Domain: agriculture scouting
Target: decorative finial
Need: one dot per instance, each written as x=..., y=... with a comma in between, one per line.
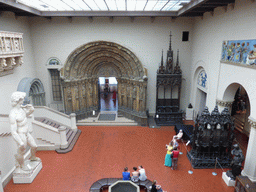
x=170, y=45
x=177, y=63
x=162, y=64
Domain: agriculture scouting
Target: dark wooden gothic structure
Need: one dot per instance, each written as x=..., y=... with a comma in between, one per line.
x=168, y=88
x=212, y=139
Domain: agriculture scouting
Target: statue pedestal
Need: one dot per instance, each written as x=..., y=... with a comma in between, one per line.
x=21, y=176
x=189, y=114
x=230, y=182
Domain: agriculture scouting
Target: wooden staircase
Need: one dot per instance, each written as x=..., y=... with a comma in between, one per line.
x=239, y=123
x=72, y=136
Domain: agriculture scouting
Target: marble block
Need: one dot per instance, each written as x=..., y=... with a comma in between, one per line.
x=21, y=176
x=189, y=114
x=230, y=182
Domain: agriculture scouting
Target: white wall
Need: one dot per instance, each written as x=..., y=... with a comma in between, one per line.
x=58, y=38
x=209, y=33
x=9, y=83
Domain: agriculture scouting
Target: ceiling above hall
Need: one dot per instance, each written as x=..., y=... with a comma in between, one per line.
x=112, y=8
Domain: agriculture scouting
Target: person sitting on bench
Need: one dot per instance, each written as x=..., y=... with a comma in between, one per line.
x=179, y=135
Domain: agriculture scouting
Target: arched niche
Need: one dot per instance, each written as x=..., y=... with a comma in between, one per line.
x=34, y=90
x=101, y=58
x=235, y=97
x=200, y=88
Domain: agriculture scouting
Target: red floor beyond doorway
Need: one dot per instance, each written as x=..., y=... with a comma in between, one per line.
x=103, y=152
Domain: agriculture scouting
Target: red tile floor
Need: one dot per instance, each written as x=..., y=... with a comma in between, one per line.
x=103, y=152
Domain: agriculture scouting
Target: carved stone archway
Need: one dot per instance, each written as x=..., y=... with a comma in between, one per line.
x=34, y=90
x=96, y=59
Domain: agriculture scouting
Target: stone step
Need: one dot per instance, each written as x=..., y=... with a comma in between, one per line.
x=118, y=120
x=71, y=142
x=71, y=136
x=107, y=123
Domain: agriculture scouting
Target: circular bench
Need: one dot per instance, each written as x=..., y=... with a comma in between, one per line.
x=98, y=185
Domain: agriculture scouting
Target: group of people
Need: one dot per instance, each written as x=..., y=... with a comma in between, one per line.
x=171, y=157
x=171, y=160
x=135, y=176
x=140, y=175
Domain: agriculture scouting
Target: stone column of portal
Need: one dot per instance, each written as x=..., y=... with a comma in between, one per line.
x=250, y=160
x=223, y=104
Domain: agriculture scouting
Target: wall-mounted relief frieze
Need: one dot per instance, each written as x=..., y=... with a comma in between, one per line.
x=11, y=51
x=224, y=103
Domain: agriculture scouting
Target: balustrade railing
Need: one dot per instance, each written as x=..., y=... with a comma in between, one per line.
x=11, y=51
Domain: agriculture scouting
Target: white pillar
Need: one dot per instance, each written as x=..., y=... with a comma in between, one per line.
x=63, y=137
x=73, y=121
x=250, y=160
x=1, y=184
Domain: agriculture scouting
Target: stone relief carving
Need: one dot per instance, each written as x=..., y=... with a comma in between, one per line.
x=88, y=62
x=11, y=51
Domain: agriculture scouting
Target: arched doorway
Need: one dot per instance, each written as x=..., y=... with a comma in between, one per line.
x=104, y=59
x=200, y=89
x=34, y=90
x=108, y=94
x=240, y=108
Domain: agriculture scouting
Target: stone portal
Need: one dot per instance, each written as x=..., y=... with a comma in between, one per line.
x=104, y=59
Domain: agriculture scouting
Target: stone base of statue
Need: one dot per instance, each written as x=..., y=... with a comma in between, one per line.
x=21, y=176
x=230, y=182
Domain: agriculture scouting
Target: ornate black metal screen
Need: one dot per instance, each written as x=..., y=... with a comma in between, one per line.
x=212, y=140
x=168, y=88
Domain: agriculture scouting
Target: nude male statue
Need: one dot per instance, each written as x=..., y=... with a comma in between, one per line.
x=20, y=129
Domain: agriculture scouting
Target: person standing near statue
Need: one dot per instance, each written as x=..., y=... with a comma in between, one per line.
x=20, y=129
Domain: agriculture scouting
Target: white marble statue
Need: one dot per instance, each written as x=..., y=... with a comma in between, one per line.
x=20, y=129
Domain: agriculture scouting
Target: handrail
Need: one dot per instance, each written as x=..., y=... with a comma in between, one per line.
x=45, y=126
x=52, y=110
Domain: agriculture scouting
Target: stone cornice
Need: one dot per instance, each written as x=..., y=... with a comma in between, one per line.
x=252, y=122
x=224, y=103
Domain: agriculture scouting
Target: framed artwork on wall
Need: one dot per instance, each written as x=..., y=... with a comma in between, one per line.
x=239, y=51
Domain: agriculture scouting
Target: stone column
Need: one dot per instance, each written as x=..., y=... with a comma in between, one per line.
x=250, y=160
x=73, y=121
x=63, y=137
x=1, y=185
x=222, y=104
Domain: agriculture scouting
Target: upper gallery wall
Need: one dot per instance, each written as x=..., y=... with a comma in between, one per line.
x=9, y=83
x=235, y=23
x=59, y=37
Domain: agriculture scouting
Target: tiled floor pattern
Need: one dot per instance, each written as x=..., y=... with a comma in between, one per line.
x=103, y=152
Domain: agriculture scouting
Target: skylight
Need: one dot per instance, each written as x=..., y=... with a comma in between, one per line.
x=105, y=5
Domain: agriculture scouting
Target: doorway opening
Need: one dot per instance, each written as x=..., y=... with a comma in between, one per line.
x=201, y=100
x=108, y=94
x=241, y=111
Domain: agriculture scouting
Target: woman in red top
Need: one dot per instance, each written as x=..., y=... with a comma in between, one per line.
x=175, y=155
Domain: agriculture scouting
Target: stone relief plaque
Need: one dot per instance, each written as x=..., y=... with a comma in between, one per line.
x=11, y=51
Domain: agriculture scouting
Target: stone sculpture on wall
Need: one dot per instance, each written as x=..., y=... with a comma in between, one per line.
x=11, y=51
